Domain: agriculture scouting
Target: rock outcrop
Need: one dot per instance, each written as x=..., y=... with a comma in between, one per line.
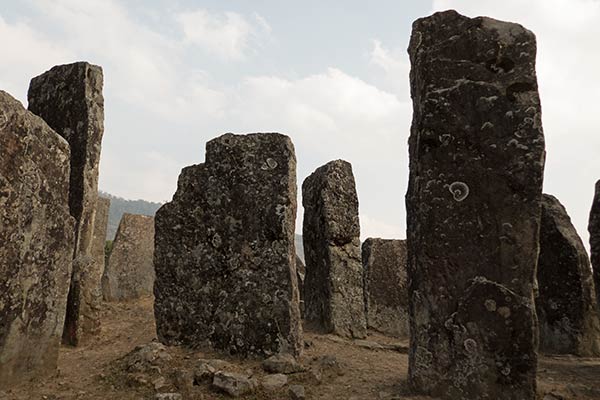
x=69, y=98
x=36, y=243
x=224, y=250
x=129, y=273
x=333, y=285
x=473, y=208
x=566, y=301
x=594, y=231
x=386, y=287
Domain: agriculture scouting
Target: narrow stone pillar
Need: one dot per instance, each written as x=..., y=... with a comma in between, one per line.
x=386, y=287
x=566, y=301
x=473, y=208
x=36, y=243
x=594, y=231
x=333, y=286
x=69, y=98
x=224, y=250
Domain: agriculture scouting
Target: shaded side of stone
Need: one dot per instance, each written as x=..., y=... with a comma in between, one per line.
x=224, y=250
x=594, y=231
x=69, y=98
x=130, y=270
x=301, y=274
x=566, y=303
x=473, y=204
x=36, y=243
x=333, y=286
x=386, y=286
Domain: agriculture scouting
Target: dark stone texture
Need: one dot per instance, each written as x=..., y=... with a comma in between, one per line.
x=129, y=273
x=100, y=227
x=69, y=98
x=386, y=286
x=594, y=231
x=333, y=286
x=473, y=208
x=224, y=250
x=566, y=301
x=36, y=237
x=301, y=273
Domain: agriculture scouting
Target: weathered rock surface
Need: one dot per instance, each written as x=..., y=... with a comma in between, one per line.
x=301, y=274
x=36, y=243
x=69, y=98
x=566, y=301
x=274, y=382
x=233, y=384
x=224, y=250
x=594, y=231
x=282, y=364
x=129, y=273
x=385, y=285
x=473, y=208
x=100, y=226
x=333, y=285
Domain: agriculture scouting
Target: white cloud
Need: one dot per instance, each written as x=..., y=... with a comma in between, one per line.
x=373, y=228
x=228, y=35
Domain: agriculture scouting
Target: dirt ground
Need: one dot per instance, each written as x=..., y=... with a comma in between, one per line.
x=371, y=370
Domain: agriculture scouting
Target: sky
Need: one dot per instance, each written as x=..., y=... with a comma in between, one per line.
x=333, y=75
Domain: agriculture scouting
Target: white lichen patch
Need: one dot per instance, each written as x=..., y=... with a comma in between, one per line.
x=459, y=190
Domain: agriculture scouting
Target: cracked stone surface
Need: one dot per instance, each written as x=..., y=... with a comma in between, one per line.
x=224, y=250
x=385, y=286
x=473, y=208
x=69, y=98
x=333, y=285
x=36, y=233
x=566, y=300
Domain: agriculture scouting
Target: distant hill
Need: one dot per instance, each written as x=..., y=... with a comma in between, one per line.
x=119, y=205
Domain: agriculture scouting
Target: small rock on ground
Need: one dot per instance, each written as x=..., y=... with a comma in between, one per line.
x=233, y=384
x=274, y=381
x=297, y=392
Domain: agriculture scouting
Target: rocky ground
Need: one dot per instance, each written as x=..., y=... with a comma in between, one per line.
x=126, y=363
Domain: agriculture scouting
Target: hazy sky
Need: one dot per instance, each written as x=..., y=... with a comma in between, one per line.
x=333, y=75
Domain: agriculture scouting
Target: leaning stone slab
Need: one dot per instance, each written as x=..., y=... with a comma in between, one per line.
x=36, y=243
x=224, y=250
x=69, y=98
x=566, y=301
x=130, y=270
x=333, y=285
x=594, y=231
x=473, y=208
x=386, y=287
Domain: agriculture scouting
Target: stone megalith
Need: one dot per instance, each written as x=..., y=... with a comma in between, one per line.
x=333, y=285
x=100, y=229
x=129, y=273
x=69, y=98
x=36, y=243
x=473, y=208
x=386, y=287
x=594, y=231
x=566, y=300
x=224, y=250
x=301, y=273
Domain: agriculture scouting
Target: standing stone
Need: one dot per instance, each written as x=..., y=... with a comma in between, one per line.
x=386, y=288
x=333, y=286
x=36, y=243
x=594, y=230
x=301, y=274
x=100, y=229
x=473, y=208
x=224, y=250
x=130, y=270
x=566, y=302
x=69, y=98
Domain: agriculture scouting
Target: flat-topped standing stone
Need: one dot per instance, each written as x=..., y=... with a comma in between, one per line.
x=594, y=230
x=386, y=288
x=333, y=286
x=566, y=301
x=130, y=270
x=473, y=208
x=69, y=98
x=224, y=250
x=36, y=243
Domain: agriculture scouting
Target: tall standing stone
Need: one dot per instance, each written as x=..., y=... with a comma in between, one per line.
x=594, y=231
x=473, y=208
x=386, y=287
x=224, y=250
x=69, y=98
x=36, y=243
x=566, y=301
x=130, y=270
x=100, y=229
x=333, y=285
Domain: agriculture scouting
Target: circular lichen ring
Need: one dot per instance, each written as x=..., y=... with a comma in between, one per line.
x=459, y=190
